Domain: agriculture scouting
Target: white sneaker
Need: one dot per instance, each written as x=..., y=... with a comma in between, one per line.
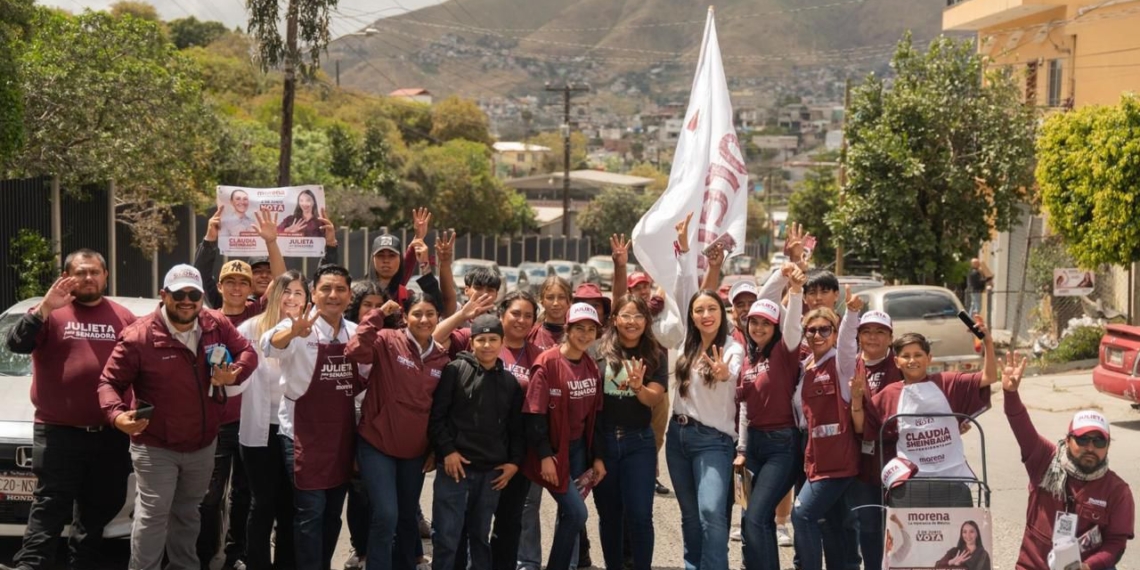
x=782, y=536
x=736, y=535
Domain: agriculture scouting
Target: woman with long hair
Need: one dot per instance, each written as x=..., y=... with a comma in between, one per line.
x=554, y=296
x=272, y=493
x=700, y=444
x=970, y=553
x=831, y=455
x=635, y=376
x=769, y=444
x=306, y=218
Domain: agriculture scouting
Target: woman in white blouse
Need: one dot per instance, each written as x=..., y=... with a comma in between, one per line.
x=700, y=443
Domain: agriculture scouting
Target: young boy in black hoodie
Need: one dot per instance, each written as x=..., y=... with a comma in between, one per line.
x=476, y=429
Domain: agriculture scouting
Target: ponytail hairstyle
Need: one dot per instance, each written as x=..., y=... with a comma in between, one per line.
x=272, y=314
x=691, y=353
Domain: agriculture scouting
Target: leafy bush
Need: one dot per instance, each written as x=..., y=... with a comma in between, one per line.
x=1082, y=344
x=34, y=261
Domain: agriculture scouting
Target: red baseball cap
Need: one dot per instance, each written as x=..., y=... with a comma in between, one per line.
x=897, y=471
x=1088, y=421
x=637, y=278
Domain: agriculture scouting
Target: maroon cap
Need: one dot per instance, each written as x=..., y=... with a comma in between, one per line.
x=590, y=292
x=637, y=278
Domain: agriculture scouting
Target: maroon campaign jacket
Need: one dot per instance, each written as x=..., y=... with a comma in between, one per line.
x=162, y=371
x=832, y=451
x=1105, y=504
x=879, y=376
x=768, y=386
x=397, y=405
x=550, y=390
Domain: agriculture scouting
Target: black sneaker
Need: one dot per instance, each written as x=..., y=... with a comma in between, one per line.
x=662, y=489
x=355, y=561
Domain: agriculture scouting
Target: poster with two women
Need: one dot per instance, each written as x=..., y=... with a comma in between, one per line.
x=296, y=211
x=938, y=538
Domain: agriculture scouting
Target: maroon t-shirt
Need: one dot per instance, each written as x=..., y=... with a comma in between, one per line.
x=72, y=348
x=768, y=386
x=518, y=362
x=963, y=392
x=545, y=336
x=554, y=372
x=879, y=376
x=1104, y=507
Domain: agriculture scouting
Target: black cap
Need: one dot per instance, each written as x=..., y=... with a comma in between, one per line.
x=486, y=324
x=255, y=261
x=388, y=242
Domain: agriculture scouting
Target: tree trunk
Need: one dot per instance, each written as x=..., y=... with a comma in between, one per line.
x=285, y=161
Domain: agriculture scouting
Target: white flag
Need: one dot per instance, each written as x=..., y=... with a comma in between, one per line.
x=708, y=179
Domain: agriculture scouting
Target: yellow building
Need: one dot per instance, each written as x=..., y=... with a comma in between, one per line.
x=515, y=159
x=1067, y=53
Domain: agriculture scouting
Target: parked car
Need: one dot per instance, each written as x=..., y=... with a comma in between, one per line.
x=1117, y=373
x=17, y=418
x=592, y=276
x=933, y=313
x=571, y=271
x=460, y=267
x=777, y=259
x=858, y=285
x=517, y=279
x=604, y=265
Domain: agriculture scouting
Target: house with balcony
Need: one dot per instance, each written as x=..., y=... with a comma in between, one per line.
x=514, y=159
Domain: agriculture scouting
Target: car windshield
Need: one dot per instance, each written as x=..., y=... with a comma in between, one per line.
x=602, y=263
x=536, y=273
x=917, y=305
x=462, y=268
x=562, y=268
x=512, y=276
x=12, y=364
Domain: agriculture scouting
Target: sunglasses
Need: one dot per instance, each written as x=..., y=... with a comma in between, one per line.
x=181, y=295
x=1083, y=440
x=822, y=332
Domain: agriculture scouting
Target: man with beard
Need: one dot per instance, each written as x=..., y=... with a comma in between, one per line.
x=1076, y=503
x=82, y=464
x=177, y=360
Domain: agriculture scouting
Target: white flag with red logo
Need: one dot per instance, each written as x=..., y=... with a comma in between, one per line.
x=708, y=179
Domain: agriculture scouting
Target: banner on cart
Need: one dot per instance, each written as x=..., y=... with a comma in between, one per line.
x=296, y=211
x=929, y=538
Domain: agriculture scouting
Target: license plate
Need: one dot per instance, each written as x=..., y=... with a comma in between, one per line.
x=17, y=486
x=1114, y=356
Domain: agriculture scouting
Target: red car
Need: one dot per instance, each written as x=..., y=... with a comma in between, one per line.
x=1118, y=372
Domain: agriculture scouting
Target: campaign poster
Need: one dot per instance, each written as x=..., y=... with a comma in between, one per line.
x=938, y=539
x=1073, y=282
x=295, y=210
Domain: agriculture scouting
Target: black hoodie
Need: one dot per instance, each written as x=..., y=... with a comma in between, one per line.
x=477, y=412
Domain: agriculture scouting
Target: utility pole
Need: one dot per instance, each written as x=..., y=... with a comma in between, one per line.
x=843, y=170
x=567, y=91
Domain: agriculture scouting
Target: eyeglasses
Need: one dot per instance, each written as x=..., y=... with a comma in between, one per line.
x=822, y=332
x=181, y=295
x=631, y=318
x=1083, y=440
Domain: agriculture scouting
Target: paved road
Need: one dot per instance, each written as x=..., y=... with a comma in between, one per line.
x=1051, y=399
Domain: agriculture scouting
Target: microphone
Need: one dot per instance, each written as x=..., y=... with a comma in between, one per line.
x=970, y=324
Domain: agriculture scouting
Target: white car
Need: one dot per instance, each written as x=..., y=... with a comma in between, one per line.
x=17, y=420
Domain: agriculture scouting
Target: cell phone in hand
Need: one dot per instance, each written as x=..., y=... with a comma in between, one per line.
x=144, y=410
x=970, y=324
x=809, y=246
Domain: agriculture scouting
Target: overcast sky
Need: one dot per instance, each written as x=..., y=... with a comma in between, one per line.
x=351, y=15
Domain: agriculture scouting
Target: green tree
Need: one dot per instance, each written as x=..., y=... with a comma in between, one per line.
x=306, y=37
x=245, y=153
x=189, y=32
x=810, y=205
x=455, y=180
x=140, y=10
x=111, y=99
x=646, y=170
x=15, y=26
x=455, y=118
x=552, y=162
x=936, y=163
x=757, y=224
x=34, y=262
x=413, y=119
x=1090, y=181
x=344, y=159
x=615, y=210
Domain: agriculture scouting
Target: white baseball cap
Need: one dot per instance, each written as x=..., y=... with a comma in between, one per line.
x=1086, y=421
x=583, y=312
x=746, y=286
x=765, y=308
x=897, y=471
x=182, y=276
x=876, y=318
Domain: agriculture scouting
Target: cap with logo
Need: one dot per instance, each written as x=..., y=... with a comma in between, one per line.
x=591, y=292
x=236, y=268
x=1088, y=421
x=766, y=309
x=486, y=324
x=742, y=287
x=386, y=242
x=583, y=312
x=182, y=276
x=897, y=471
x=637, y=278
x=876, y=318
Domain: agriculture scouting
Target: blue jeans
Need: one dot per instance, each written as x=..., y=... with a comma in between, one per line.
x=394, y=487
x=773, y=457
x=530, y=540
x=571, y=513
x=700, y=465
x=819, y=502
x=624, y=499
x=316, y=519
x=975, y=302
x=457, y=505
x=867, y=499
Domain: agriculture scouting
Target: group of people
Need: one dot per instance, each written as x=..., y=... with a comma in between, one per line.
x=298, y=395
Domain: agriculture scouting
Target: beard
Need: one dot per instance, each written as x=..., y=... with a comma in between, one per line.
x=174, y=318
x=89, y=297
x=1076, y=461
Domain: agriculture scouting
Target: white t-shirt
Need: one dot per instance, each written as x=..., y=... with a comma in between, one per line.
x=713, y=406
x=261, y=393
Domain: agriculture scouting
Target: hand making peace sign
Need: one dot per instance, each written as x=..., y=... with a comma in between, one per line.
x=716, y=363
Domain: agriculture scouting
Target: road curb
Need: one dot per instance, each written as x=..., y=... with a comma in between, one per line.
x=1042, y=369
